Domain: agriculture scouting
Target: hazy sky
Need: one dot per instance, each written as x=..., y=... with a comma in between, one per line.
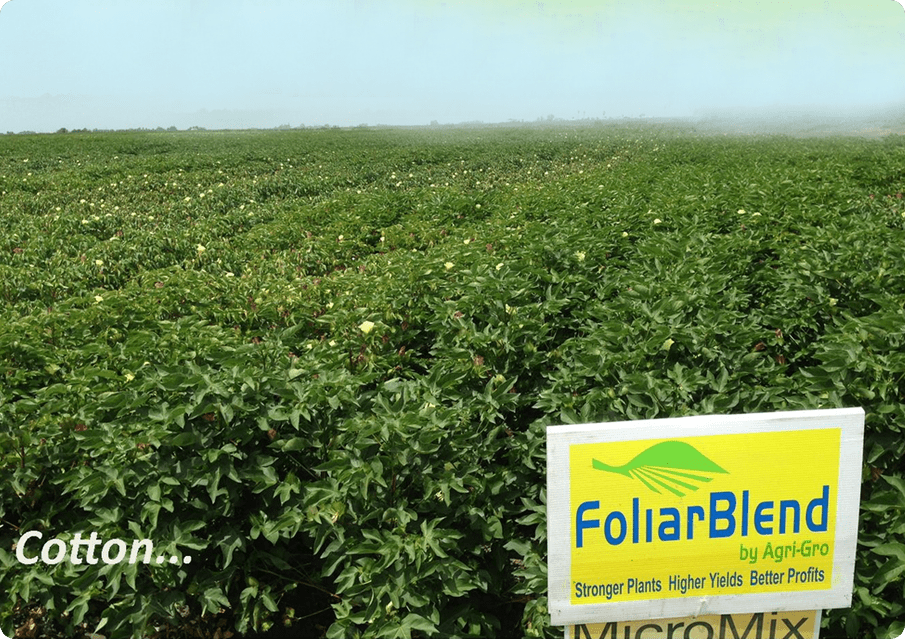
x=262, y=63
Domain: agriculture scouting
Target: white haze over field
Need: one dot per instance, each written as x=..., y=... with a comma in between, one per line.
x=243, y=64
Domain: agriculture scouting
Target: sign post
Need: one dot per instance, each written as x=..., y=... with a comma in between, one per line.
x=706, y=515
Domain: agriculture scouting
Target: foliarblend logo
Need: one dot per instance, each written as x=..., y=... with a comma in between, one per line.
x=671, y=465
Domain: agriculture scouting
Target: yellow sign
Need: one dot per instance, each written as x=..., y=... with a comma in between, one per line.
x=701, y=515
x=657, y=504
x=762, y=625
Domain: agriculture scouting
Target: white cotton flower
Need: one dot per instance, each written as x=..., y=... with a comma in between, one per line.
x=448, y=265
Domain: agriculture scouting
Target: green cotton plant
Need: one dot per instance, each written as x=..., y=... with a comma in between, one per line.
x=321, y=362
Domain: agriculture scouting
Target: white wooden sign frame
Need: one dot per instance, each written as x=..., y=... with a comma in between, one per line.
x=850, y=421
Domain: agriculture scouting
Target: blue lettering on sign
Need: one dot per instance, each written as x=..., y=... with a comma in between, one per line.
x=722, y=517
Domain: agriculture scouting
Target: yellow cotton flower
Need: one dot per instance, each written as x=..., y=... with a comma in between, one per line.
x=99, y=262
x=366, y=326
x=448, y=265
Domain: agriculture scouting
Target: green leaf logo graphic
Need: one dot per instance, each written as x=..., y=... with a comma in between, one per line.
x=670, y=465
